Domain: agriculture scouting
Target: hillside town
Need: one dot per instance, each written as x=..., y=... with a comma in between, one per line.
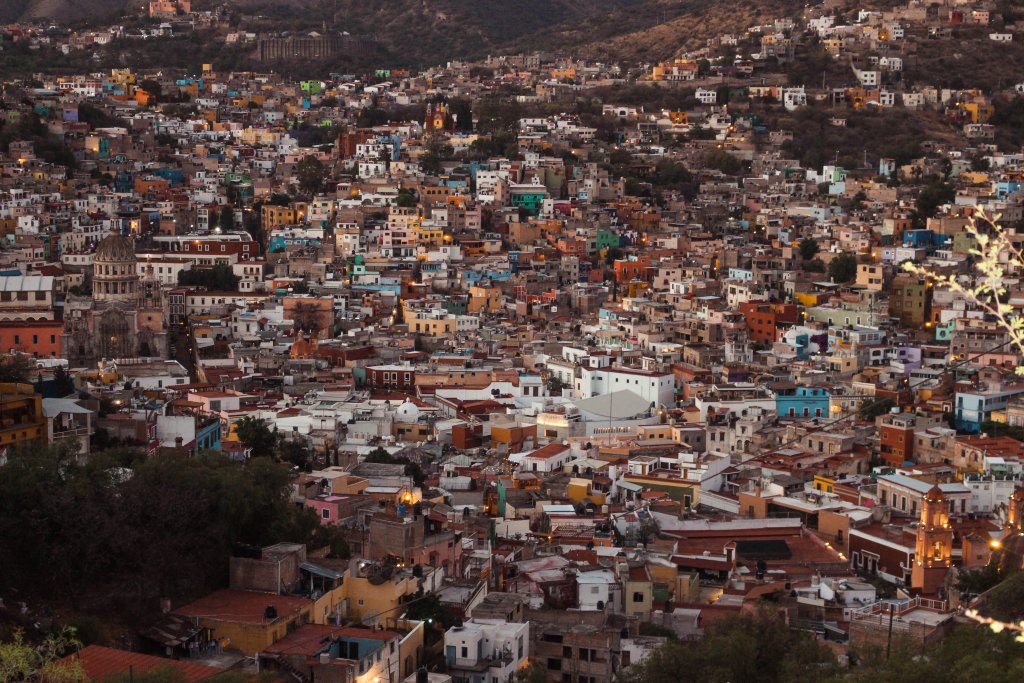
x=562, y=361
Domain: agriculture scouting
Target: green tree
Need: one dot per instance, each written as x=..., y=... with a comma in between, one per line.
x=16, y=367
x=252, y=224
x=871, y=408
x=932, y=196
x=87, y=540
x=531, y=674
x=718, y=159
x=808, y=249
x=294, y=452
x=435, y=151
x=310, y=173
x=406, y=198
x=63, y=382
x=226, y=219
x=254, y=434
x=22, y=661
x=218, y=278
x=843, y=268
x=757, y=646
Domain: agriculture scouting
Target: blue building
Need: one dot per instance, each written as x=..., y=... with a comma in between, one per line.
x=974, y=408
x=793, y=401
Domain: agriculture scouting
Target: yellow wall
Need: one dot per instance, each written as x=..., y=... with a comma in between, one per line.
x=638, y=609
x=253, y=638
x=484, y=299
x=579, y=492
x=431, y=326
x=806, y=299
x=377, y=600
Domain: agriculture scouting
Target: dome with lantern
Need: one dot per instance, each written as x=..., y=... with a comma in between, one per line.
x=115, y=270
x=408, y=412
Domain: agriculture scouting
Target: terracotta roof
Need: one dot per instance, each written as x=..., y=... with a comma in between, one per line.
x=241, y=607
x=550, y=451
x=100, y=662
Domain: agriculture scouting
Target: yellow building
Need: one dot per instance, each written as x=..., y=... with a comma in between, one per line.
x=639, y=593
x=429, y=236
x=806, y=298
x=370, y=603
x=484, y=300
x=582, y=490
x=871, y=276
x=422, y=323
x=272, y=215
x=824, y=483
x=21, y=415
x=980, y=110
x=251, y=620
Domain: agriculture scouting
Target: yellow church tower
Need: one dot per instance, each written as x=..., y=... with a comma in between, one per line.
x=437, y=116
x=933, y=551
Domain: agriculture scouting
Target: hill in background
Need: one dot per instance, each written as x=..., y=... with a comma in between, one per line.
x=418, y=32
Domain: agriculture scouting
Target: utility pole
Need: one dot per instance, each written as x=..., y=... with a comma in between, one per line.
x=888, y=643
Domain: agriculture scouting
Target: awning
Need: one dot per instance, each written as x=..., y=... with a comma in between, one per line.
x=324, y=572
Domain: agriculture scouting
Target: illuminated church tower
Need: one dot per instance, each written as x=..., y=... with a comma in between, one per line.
x=934, y=548
x=1015, y=512
x=437, y=117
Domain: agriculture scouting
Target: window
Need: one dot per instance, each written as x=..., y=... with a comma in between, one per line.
x=567, y=652
x=465, y=651
x=638, y=596
x=554, y=663
x=325, y=513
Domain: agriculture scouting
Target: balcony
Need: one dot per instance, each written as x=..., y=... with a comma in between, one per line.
x=71, y=432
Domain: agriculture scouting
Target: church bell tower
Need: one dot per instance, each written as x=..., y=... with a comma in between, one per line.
x=933, y=550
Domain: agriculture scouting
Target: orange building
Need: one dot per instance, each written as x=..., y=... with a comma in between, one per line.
x=41, y=338
x=515, y=439
x=633, y=268
x=765, y=320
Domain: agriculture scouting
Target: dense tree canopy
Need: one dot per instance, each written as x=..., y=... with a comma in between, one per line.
x=311, y=175
x=843, y=268
x=746, y=647
x=759, y=646
x=219, y=278
x=809, y=248
x=122, y=531
x=255, y=434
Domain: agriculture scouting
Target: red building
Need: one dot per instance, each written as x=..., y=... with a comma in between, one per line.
x=390, y=377
x=766, y=321
x=41, y=338
x=896, y=437
x=233, y=246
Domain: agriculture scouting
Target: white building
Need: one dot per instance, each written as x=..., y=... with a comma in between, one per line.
x=597, y=590
x=654, y=387
x=486, y=650
x=706, y=96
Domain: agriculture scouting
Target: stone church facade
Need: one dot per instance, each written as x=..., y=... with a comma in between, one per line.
x=124, y=315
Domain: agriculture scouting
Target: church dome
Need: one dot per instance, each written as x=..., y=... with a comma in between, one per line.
x=408, y=412
x=115, y=248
